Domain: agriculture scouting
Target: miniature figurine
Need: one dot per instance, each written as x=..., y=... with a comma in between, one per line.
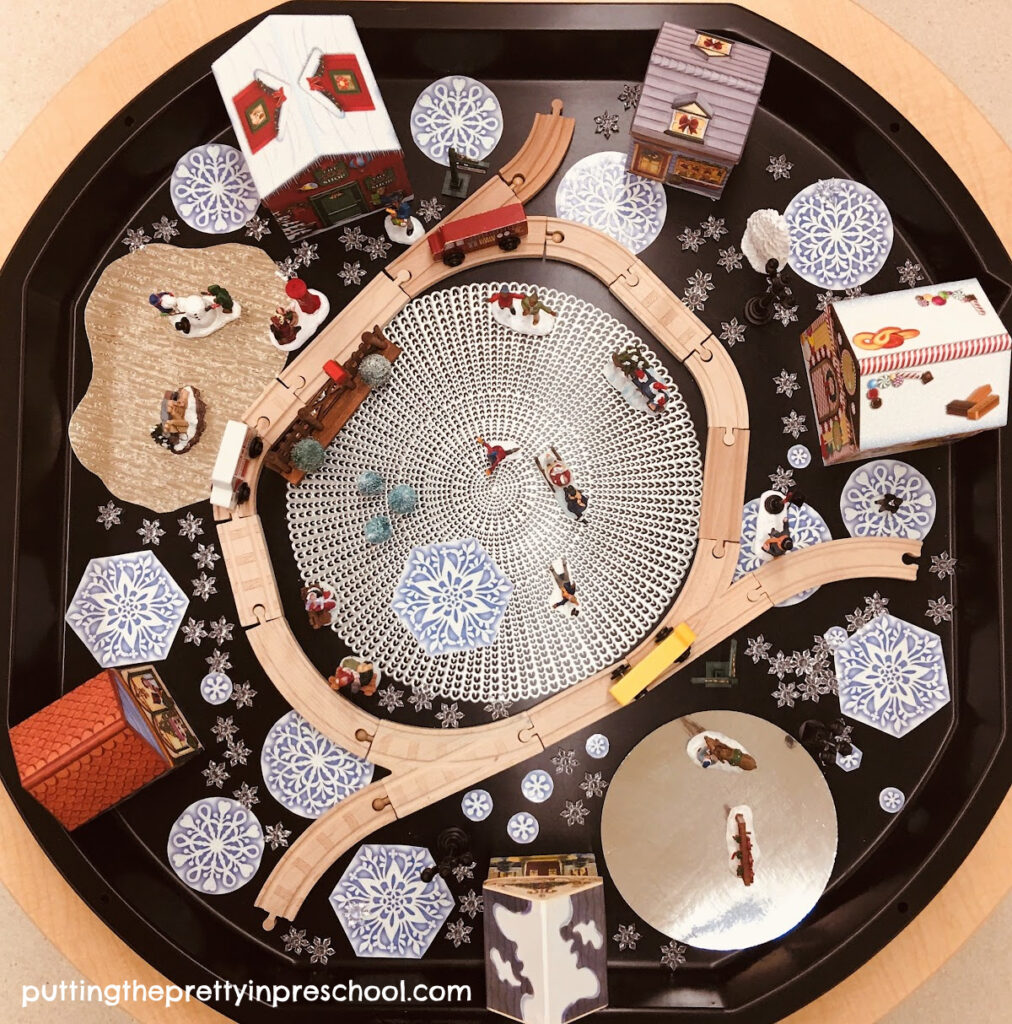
x=630, y=374
x=824, y=742
x=285, y=328
x=560, y=479
x=741, y=843
x=759, y=308
x=453, y=849
x=504, y=299
x=399, y=225
x=716, y=750
x=564, y=599
x=294, y=323
x=772, y=533
x=496, y=454
x=532, y=306
x=456, y=184
x=504, y=305
x=320, y=604
x=197, y=316
x=181, y=420
x=358, y=676
x=720, y=674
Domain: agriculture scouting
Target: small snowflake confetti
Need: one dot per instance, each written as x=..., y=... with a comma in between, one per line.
x=194, y=632
x=277, y=835
x=448, y=716
x=136, y=239
x=700, y=281
x=243, y=695
x=943, y=565
x=694, y=298
x=854, y=293
x=352, y=237
x=376, y=248
x=780, y=665
x=164, y=229
x=730, y=259
x=203, y=586
x=713, y=227
x=574, y=813
x=606, y=124
x=430, y=209
x=190, y=526
x=246, y=795
x=294, y=939
x=462, y=872
x=794, y=424
x=288, y=267
x=630, y=95
x=108, y=515
x=810, y=689
x=779, y=167
x=856, y=619
x=219, y=661
x=220, y=631
x=820, y=649
x=224, y=729
x=731, y=332
x=215, y=774
x=910, y=273
x=320, y=951
x=593, y=785
x=498, y=709
x=150, y=532
x=565, y=761
x=823, y=299
x=390, y=698
x=457, y=932
x=757, y=648
x=421, y=699
x=205, y=556
x=305, y=253
x=939, y=610
x=802, y=662
x=472, y=903
x=351, y=273
x=691, y=239
x=876, y=604
x=257, y=227
x=237, y=753
x=626, y=937
x=787, y=383
x=672, y=956
x=782, y=479
x=786, y=693
x=785, y=314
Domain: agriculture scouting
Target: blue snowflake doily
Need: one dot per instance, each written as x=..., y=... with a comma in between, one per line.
x=456, y=112
x=215, y=845
x=888, y=498
x=476, y=804
x=212, y=189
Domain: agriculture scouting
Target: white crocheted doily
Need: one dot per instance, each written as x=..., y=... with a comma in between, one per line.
x=462, y=375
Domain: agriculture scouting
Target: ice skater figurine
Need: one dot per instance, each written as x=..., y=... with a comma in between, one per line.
x=358, y=676
x=566, y=588
x=504, y=298
x=495, y=454
x=400, y=215
x=532, y=306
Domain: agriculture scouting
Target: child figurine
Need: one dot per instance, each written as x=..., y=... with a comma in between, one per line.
x=560, y=479
x=285, y=327
x=504, y=304
x=504, y=299
x=358, y=676
x=197, y=316
x=532, y=306
x=320, y=604
x=564, y=599
x=630, y=374
x=297, y=320
x=400, y=226
x=496, y=454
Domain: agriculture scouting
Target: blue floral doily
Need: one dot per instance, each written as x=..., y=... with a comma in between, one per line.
x=212, y=189
x=127, y=609
x=384, y=906
x=215, y=845
x=598, y=191
x=456, y=112
x=841, y=233
x=806, y=528
x=891, y=675
x=452, y=596
x=888, y=498
x=305, y=771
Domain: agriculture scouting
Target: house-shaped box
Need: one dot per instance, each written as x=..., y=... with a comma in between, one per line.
x=310, y=121
x=699, y=97
x=906, y=369
x=100, y=743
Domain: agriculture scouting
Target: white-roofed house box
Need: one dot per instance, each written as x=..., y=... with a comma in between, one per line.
x=699, y=97
x=906, y=369
x=311, y=122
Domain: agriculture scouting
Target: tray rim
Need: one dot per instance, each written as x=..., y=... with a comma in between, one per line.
x=842, y=30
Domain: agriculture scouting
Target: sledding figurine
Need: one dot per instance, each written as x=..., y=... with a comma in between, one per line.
x=358, y=676
x=320, y=604
x=741, y=845
x=715, y=750
x=297, y=320
x=772, y=532
x=521, y=311
x=197, y=316
x=401, y=227
x=181, y=420
x=564, y=599
x=496, y=454
x=559, y=478
x=631, y=374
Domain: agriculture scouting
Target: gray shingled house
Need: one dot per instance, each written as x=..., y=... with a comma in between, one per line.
x=699, y=97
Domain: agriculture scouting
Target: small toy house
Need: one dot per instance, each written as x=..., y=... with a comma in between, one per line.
x=545, y=938
x=310, y=121
x=906, y=369
x=699, y=97
x=100, y=743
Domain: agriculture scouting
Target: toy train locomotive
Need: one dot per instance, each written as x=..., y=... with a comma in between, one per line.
x=504, y=227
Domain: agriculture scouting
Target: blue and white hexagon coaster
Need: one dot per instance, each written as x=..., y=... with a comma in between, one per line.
x=841, y=234
x=127, y=609
x=888, y=498
x=305, y=771
x=458, y=113
x=891, y=799
x=523, y=827
x=598, y=191
x=597, y=745
x=216, y=688
x=806, y=528
x=452, y=596
x=212, y=189
x=476, y=804
x=384, y=906
x=215, y=845
x=537, y=786
x=891, y=675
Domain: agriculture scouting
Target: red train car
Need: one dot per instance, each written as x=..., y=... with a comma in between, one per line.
x=504, y=227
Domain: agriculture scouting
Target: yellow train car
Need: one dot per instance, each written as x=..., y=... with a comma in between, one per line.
x=633, y=683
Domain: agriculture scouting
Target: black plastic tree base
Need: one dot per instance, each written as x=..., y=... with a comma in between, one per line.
x=757, y=311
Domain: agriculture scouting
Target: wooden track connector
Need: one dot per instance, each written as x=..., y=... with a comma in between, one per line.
x=269, y=922
x=401, y=278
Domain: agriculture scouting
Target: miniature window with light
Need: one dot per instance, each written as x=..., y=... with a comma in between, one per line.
x=712, y=46
x=689, y=119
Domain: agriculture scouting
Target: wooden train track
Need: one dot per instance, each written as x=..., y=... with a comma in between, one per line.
x=425, y=764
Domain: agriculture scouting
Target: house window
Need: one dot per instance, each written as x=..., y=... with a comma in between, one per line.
x=650, y=163
x=713, y=46
x=699, y=170
x=689, y=120
x=338, y=77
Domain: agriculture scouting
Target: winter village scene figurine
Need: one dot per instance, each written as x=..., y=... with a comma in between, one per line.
x=563, y=598
x=559, y=478
x=197, y=316
x=772, y=531
x=400, y=225
x=639, y=383
x=522, y=311
x=297, y=320
x=356, y=676
x=496, y=454
x=320, y=604
x=181, y=420
x=712, y=749
x=742, y=849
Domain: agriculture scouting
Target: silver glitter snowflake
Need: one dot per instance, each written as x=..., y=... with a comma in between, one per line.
x=694, y=298
x=672, y=956
x=593, y=784
x=910, y=273
x=190, y=526
x=730, y=259
x=606, y=124
x=257, y=227
x=448, y=716
x=430, y=209
x=205, y=556
x=731, y=332
x=237, y=753
x=854, y=293
x=462, y=872
x=809, y=689
x=194, y=632
x=823, y=299
x=857, y=618
x=376, y=248
x=246, y=795
x=288, y=267
x=801, y=662
x=164, y=229
x=782, y=479
x=136, y=239
x=224, y=729
x=351, y=273
x=691, y=239
x=876, y=604
x=574, y=813
x=787, y=383
x=320, y=951
x=939, y=610
x=305, y=253
x=780, y=665
x=472, y=903
x=565, y=761
x=757, y=648
x=794, y=424
x=108, y=515
x=630, y=95
x=702, y=282
x=150, y=532
x=219, y=661
x=626, y=937
x=215, y=774
x=203, y=586
x=220, y=631
x=498, y=709
x=352, y=237
x=943, y=565
x=390, y=698
x=713, y=227
x=421, y=699
x=277, y=835
x=779, y=167
x=786, y=693
x=785, y=314
x=243, y=695
x=294, y=939
x=457, y=932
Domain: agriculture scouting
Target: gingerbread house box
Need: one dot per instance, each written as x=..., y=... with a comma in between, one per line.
x=311, y=122
x=545, y=938
x=699, y=97
x=906, y=369
x=100, y=743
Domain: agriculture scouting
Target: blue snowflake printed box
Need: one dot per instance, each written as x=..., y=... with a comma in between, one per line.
x=545, y=951
x=906, y=369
